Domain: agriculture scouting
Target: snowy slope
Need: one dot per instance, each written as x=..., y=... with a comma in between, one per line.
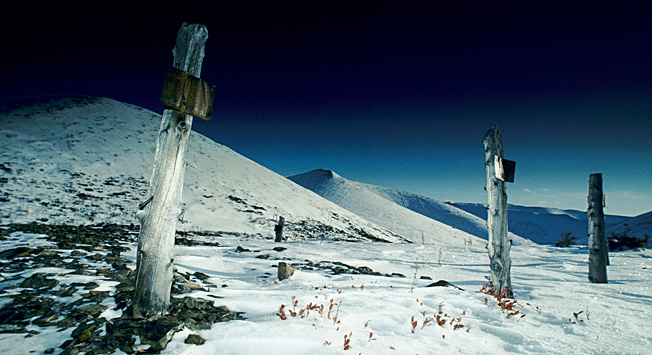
x=413, y=215
x=88, y=160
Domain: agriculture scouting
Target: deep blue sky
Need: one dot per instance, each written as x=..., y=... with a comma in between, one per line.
x=392, y=96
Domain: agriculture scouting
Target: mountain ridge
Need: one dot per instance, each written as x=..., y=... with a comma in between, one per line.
x=377, y=203
x=541, y=225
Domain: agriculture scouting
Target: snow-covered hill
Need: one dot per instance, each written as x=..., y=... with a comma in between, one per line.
x=538, y=224
x=412, y=214
x=88, y=160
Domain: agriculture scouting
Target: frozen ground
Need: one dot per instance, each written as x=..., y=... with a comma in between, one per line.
x=559, y=311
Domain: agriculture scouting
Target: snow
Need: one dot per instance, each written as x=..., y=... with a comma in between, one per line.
x=550, y=285
x=377, y=204
x=87, y=160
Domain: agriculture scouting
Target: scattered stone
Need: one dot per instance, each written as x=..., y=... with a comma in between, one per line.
x=49, y=351
x=85, y=285
x=191, y=285
x=157, y=333
x=37, y=281
x=177, y=277
x=12, y=253
x=367, y=271
x=194, y=339
x=94, y=309
x=84, y=331
x=47, y=318
x=41, y=303
x=284, y=271
x=65, y=291
x=423, y=277
x=201, y=276
x=444, y=283
x=240, y=249
x=262, y=256
x=279, y=249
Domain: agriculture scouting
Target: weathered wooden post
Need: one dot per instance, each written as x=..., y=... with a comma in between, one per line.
x=279, y=230
x=597, y=242
x=498, y=172
x=183, y=96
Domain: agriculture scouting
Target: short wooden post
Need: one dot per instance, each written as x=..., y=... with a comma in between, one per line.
x=155, y=257
x=597, y=241
x=499, y=246
x=279, y=230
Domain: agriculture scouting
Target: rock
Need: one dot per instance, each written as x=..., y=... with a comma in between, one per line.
x=194, y=339
x=240, y=249
x=443, y=283
x=201, y=276
x=423, y=277
x=12, y=253
x=65, y=291
x=367, y=270
x=190, y=285
x=46, y=319
x=177, y=277
x=37, y=281
x=262, y=256
x=157, y=333
x=84, y=331
x=70, y=351
x=94, y=309
x=49, y=351
x=440, y=283
x=284, y=271
x=279, y=249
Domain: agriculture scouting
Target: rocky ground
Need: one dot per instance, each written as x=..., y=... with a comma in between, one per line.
x=74, y=279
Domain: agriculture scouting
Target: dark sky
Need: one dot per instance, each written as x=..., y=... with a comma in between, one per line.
x=398, y=96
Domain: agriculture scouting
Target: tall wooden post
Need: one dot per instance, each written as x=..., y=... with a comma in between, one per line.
x=155, y=257
x=499, y=246
x=597, y=242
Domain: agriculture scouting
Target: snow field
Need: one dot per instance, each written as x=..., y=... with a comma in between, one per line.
x=550, y=285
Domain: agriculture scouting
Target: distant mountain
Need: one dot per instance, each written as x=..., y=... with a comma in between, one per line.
x=544, y=225
x=638, y=226
x=411, y=214
x=87, y=160
x=538, y=224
